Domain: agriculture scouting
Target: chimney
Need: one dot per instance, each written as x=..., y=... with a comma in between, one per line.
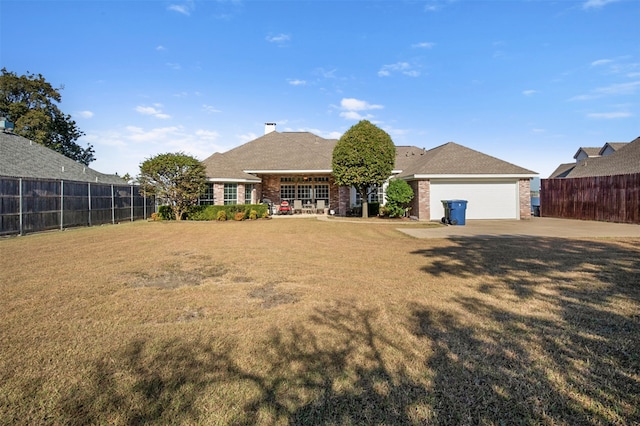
x=269, y=127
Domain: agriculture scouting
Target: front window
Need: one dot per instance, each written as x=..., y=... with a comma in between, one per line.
x=206, y=198
x=304, y=193
x=231, y=193
x=322, y=192
x=248, y=192
x=287, y=192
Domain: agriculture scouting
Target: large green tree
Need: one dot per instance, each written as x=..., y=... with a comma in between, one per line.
x=175, y=178
x=363, y=158
x=30, y=102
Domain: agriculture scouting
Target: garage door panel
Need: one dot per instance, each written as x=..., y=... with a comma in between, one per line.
x=486, y=200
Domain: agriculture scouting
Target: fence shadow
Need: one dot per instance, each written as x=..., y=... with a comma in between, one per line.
x=556, y=341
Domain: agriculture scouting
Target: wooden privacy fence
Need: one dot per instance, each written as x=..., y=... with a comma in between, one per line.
x=603, y=198
x=31, y=205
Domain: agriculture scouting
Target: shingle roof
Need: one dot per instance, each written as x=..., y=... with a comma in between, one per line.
x=19, y=157
x=292, y=151
x=625, y=160
x=613, y=145
x=274, y=151
x=562, y=170
x=454, y=159
x=590, y=151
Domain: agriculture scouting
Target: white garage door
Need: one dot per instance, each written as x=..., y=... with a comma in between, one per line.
x=486, y=199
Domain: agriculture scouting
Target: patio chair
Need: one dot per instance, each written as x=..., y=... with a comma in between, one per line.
x=320, y=206
x=297, y=206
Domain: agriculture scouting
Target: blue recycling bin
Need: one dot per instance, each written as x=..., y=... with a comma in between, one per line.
x=454, y=212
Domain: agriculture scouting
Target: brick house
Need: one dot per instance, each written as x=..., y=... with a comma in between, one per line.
x=297, y=166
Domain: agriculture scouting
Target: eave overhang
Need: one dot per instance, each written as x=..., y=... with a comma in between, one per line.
x=470, y=176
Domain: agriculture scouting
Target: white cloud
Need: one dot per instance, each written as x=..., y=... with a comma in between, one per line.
x=297, y=82
x=613, y=90
x=174, y=65
x=85, y=114
x=402, y=67
x=601, y=62
x=207, y=135
x=529, y=92
x=353, y=115
x=619, y=89
x=160, y=48
x=423, y=45
x=352, y=104
x=609, y=115
x=184, y=9
x=351, y=108
x=152, y=111
x=278, y=39
x=596, y=4
x=210, y=109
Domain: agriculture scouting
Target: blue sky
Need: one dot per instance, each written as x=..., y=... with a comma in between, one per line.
x=525, y=81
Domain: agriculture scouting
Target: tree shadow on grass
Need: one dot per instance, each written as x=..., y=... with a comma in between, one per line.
x=332, y=370
x=550, y=336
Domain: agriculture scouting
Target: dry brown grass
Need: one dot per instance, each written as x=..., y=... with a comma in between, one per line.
x=301, y=321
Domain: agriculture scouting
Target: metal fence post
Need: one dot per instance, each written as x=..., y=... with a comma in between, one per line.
x=131, y=203
x=113, y=207
x=89, y=199
x=21, y=204
x=62, y=205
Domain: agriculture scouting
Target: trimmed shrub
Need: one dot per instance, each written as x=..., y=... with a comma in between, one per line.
x=253, y=215
x=222, y=215
x=239, y=216
x=399, y=195
x=211, y=212
x=166, y=213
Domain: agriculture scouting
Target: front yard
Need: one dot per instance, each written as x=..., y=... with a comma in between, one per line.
x=315, y=322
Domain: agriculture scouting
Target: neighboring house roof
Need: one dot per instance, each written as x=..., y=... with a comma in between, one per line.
x=562, y=170
x=295, y=152
x=588, y=151
x=454, y=159
x=625, y=160
x=20, y=157
x=611, y=147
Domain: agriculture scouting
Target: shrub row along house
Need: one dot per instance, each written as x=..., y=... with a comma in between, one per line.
x=289, y=166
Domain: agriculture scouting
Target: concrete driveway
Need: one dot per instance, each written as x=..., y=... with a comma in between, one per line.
x=535, y=227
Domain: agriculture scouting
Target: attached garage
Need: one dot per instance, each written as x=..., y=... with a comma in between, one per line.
x=493, y=188
x=487, y=199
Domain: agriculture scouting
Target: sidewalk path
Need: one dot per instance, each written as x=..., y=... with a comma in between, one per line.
x=535, y=227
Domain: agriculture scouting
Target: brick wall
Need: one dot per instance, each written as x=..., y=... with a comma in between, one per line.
x=524, y=189
x=218, y=193
x=420, y=205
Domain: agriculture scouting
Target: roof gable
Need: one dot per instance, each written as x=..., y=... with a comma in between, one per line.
x=20, y=157
x=586, y=152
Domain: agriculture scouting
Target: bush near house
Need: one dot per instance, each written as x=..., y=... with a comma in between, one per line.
x=231, y=210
